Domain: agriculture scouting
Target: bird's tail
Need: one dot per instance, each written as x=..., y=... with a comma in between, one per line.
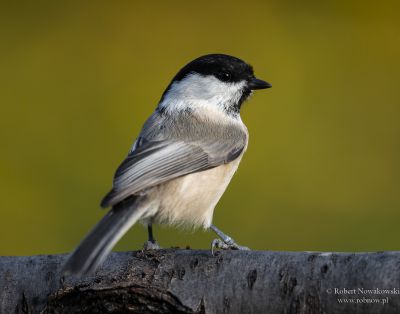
x=99, y=242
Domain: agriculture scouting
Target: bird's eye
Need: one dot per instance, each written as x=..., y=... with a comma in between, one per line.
x=224, y=76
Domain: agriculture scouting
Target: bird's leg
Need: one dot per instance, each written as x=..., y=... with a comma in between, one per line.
x=151, y=243
x=225, y=243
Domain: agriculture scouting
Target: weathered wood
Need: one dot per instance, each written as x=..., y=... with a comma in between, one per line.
x=189, y=281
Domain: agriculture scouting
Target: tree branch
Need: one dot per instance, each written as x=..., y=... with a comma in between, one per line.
x=189, y=281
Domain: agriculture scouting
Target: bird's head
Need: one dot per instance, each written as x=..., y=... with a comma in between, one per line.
x=216, y=81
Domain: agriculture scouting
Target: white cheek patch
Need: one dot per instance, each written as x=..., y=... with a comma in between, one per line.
x=195, y=91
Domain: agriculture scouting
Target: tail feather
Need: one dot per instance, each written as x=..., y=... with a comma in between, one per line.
x=99, y=242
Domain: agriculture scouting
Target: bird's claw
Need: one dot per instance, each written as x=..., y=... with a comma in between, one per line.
x=149, y=245
x=229, y=245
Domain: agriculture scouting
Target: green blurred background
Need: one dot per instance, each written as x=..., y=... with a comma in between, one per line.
x=78, y=79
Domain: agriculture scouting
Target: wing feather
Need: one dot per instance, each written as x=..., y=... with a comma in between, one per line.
x=157, y=161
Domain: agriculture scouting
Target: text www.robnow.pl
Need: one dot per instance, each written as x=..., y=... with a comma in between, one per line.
x=363, y=300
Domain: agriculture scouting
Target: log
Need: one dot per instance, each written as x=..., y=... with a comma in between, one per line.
x=192, y=281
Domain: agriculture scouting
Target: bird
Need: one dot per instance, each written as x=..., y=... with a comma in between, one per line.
x=181, y=162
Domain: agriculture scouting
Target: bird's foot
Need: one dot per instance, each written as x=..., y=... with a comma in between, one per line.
x=151, y=245
x=228, y=245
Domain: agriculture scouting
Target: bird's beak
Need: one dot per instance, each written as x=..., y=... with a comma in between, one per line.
x=255, y=83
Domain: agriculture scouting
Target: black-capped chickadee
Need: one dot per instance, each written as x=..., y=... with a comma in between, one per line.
x=182, y=160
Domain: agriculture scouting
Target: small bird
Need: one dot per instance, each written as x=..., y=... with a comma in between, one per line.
x=181, y=162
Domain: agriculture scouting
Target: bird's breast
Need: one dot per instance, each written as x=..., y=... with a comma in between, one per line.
x=190, y=200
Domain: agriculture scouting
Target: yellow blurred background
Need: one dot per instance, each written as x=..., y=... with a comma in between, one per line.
x=78, y=79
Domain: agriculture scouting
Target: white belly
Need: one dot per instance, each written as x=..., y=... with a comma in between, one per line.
x=190, y=200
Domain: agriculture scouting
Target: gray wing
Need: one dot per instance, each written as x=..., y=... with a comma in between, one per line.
x=156, y=161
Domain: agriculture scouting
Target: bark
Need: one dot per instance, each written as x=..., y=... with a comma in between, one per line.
x=189, y=281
